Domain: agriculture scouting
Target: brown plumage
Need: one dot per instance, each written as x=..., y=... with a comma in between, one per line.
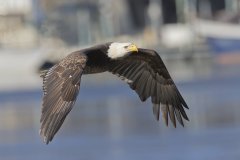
x=142, y=69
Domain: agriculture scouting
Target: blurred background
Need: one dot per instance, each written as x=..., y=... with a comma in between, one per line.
x=199, y=41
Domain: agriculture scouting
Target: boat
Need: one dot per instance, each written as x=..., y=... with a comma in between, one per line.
x=222, y=38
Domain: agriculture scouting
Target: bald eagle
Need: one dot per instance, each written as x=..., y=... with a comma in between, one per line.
x=142, y=69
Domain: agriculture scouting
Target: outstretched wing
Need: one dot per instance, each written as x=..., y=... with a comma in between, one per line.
x=61, y=85
x=146, y=73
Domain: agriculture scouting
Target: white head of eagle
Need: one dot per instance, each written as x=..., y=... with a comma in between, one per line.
x=118, y=50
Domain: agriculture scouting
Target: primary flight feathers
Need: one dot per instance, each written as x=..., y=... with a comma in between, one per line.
x=142, y=69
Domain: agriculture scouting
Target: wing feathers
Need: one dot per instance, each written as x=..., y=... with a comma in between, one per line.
x=148, y=86
x=164, y=110
x=61, y=85
x=140, y=85
x=156, y=111
x=70, y=89
x=171, y=114
x=179, y=117
x=146, y=73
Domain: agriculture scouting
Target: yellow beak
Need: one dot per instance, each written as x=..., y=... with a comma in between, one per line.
x=132, y=48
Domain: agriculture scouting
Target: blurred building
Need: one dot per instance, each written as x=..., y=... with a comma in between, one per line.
x=81, y=22
x=14, y=24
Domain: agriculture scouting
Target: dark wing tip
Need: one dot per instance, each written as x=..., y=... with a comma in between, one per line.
x=52, y=120
x=172, y=116
x=156, y=111
x=184, y=104
x=181, y=99
x=169, y=112
x=185, y=117
x=46, y=139
x=45, y=136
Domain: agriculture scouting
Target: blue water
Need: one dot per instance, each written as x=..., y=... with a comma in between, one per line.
x=110, y=123
x=208, y=144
